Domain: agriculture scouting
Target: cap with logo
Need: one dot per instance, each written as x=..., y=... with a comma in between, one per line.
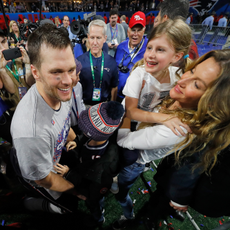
x=100, y=121
x=137, y=18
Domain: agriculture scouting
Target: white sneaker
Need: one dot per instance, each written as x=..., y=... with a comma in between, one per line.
x=114, y=188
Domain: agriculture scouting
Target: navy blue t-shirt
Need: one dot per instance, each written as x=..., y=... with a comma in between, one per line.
x=109, y=81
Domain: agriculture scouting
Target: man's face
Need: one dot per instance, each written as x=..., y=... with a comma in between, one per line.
x=96, y=39
x=113, y=20
x=56, y=75
x=135, y=35
x=3, y=43
x=158, y=19
x=65, y=21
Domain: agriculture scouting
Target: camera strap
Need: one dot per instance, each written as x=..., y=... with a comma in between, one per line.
x=16, y=75
x=92, y=69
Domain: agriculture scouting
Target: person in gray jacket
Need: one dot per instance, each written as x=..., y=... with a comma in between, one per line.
x=124, y=24
x=115, y=32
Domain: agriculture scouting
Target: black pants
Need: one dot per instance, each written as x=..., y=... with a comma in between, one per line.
x=5, y=122
x=158, y=206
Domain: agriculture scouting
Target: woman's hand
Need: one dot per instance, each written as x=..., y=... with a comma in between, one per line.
x=61, y=169
x=182, y=209
x=25, y=58
x=175, y=124
x=3, y=61
x=71, y=145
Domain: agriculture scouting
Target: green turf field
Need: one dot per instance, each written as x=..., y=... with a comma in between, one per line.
x=12, y=210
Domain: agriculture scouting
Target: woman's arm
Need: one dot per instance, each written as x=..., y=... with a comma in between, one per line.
x=169, y=121
x=158, y=136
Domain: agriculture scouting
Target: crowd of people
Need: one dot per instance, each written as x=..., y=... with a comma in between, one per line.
x=84, y=6
x=87, y=118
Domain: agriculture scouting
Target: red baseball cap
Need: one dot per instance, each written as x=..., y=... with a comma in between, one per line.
x=137, y=18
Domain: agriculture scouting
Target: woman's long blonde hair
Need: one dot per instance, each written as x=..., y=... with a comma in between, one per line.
x=11, y=24
x=211, y=122
x=56, y=21
x=179, y=36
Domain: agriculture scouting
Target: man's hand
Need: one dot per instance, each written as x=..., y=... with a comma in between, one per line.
x=110, y=45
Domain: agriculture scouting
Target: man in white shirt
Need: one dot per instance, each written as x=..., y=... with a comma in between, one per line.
x=221, y=25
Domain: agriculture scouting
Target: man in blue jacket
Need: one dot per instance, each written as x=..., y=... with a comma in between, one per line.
x=131, y=50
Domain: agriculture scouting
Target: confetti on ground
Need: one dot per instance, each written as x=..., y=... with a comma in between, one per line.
x=152, y=169
x=201, y=225
x=220, y=222
x=160, y=224
x=149, y=183
x=171, y=217
x=138, y=192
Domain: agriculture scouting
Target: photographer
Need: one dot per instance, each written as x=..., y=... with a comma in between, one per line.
x=17, y=69
x=131, y=51
x=14, y=36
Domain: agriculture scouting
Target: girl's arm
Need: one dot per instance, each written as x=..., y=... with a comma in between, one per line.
x=173, y=123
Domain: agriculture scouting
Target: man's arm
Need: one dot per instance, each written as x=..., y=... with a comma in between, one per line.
x=113, y=94
x=57, y=183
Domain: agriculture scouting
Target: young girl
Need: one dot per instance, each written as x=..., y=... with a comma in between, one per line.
x=154, y=76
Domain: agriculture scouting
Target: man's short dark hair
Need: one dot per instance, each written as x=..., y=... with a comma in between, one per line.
x=47, y=34
x=113, y=12
x=174, y=9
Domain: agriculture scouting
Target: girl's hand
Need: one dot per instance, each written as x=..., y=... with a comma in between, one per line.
x=183, y=209
x=71, y=145
x=61, y=169
x=175, y=124
x=25, y=58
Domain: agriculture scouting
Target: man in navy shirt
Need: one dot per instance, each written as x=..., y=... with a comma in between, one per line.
x=99, y=75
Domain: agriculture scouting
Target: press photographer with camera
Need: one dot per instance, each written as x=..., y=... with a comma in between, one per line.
x=99, y=76
x=131, y=51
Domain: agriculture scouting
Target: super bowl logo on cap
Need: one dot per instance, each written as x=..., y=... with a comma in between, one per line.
x=138, y=18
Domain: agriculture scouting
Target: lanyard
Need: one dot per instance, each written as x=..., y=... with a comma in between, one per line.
x=16, y=75
x=75, y=100
x=92, y=69
x=112, y=34
x=18, y=39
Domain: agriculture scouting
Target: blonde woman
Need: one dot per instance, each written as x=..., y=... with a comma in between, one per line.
x=14, y=36
x=56, y=21
x=201, y=100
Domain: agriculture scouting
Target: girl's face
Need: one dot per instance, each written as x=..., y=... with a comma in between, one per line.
x=159, y=55
x=193, y=83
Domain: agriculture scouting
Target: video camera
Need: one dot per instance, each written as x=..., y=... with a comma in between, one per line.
x=79, y=28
